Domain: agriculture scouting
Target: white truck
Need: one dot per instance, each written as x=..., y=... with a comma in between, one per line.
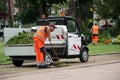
x=67, y=42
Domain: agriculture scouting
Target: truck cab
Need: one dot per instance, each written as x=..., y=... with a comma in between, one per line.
x=67, y=41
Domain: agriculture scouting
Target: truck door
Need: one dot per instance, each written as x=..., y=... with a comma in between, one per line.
x=74, y=38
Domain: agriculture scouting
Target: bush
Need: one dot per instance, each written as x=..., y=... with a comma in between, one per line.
x=116, y=40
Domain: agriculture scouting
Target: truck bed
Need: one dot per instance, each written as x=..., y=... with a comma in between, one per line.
x=57, y=39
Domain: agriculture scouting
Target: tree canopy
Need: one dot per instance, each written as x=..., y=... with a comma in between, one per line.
x=32, y=9
x=2, y=6
x=109, y=9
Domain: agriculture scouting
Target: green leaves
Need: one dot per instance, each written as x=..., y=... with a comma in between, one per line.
x=22, y=38
x=107, y=8
x=32, y=9
x=2, y=6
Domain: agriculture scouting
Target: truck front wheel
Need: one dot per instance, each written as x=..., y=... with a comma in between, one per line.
x=48, y=59
x=17, y=63
x=84, y=55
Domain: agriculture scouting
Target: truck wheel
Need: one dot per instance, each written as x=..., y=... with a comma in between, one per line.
x=84, y=55
x=48, y=59
x=17, y=63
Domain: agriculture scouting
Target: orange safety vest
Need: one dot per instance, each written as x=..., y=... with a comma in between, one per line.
x=42, y=34
x=95, y=29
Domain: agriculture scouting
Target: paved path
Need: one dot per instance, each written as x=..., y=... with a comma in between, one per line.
x=103, y=71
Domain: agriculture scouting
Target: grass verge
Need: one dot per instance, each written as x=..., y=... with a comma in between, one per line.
x=3, y=58
x=103, y=49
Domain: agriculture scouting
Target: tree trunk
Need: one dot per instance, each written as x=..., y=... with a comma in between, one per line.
x=71, y=8
x=118, y=21
x=10, y=15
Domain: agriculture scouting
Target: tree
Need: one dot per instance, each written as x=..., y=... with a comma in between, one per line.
x=108, y=9
x=28, y=11
x=71, y=8
x=83, y=13
x=2, y=6
x=48, y=4
x=32, y=9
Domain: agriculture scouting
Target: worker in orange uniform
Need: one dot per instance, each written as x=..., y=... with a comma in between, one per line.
x=95, y=32
x=39, y=38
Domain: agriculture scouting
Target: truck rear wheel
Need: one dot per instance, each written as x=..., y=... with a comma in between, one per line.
x=84, y=55
x=17, y=63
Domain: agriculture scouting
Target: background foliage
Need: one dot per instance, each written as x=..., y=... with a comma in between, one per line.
x=107, y=9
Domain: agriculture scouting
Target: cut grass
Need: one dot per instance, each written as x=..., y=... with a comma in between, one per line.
x=60, y=64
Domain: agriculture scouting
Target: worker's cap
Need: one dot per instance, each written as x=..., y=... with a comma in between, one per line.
x=52, y=25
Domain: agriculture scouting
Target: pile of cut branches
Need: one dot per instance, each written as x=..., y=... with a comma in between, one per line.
x=21, y=38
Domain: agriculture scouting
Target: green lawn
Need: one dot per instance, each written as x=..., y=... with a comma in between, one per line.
x=3, y=58
x=103, y=49
x=93, y=50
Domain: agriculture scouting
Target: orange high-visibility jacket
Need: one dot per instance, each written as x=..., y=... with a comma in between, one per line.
x=95, y=29
x=42, y=33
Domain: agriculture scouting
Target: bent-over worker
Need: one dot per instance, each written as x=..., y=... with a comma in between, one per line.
x=39, y=38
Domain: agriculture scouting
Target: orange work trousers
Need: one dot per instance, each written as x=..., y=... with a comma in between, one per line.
x=94, y=39
x=38, y=44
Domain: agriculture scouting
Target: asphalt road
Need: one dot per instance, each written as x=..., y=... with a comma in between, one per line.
x=105, y=67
